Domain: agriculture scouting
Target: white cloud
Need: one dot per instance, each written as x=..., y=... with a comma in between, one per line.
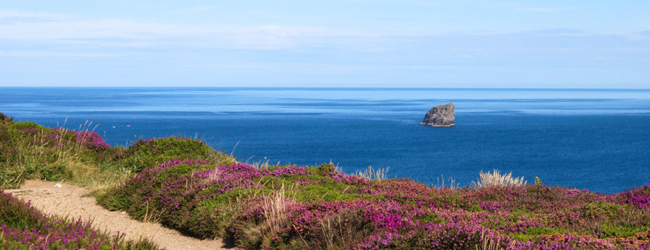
x=197, y=9
x=544, y=9
x=329, y=68
x=52, y=54
x=98, y=31
x=7, y=14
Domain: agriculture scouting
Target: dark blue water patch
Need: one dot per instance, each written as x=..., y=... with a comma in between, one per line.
x=240, y=114
x=295, y=101
x=161, y=114
x=542, y=100
x=341, y=104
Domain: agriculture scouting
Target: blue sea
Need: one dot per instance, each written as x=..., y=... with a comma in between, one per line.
x=587, y=139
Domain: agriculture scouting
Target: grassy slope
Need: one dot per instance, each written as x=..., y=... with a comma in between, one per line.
x=184, y=184
x=31, y=151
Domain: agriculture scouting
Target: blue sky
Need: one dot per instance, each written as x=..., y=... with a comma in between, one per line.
x=334, y=43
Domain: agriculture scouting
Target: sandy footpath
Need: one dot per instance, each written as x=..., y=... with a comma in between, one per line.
x=67, y=201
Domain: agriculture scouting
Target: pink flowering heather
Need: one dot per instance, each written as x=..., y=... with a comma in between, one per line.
x=639, y=197
x=326, y=209
x=91, y=139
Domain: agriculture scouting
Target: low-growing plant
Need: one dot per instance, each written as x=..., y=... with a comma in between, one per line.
x=324, y=209
x=448, y=183
x=496, y=179
x=373, y=174
x=4, y=118
x=31, y=151
x=147, y=153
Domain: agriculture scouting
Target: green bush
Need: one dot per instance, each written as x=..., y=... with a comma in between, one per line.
x=147, y=153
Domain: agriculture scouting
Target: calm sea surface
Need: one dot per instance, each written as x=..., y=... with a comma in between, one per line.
x=588, y=139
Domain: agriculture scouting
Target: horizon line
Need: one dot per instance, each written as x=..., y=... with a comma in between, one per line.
x=320, y=88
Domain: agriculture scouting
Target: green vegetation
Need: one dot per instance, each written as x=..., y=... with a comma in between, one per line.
x=31, y=151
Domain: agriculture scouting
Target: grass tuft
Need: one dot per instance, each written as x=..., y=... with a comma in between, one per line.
x=496, y=179
x=373, y=174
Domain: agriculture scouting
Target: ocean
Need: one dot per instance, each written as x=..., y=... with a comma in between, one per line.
x=583, y=138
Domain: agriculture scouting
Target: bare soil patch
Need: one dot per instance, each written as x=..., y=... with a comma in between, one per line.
x=68, y=201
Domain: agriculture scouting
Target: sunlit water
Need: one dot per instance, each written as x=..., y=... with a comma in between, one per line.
x=589, y=139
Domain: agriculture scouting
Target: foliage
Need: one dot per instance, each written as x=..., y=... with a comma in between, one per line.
x=639, y=197
x=145, y=153
x=28, y=150
x=31, y=151
x=292, y=207
x=4, y=118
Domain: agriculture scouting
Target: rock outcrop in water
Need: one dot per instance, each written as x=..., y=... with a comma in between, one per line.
x=440, y=116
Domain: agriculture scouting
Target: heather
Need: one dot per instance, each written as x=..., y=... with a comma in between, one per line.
x=23, y=227
x=295, y=207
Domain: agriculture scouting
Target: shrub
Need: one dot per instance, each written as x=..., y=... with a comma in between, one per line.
x=291, y=207
x=28, y=150
x=147, y=153
x=4, y=118
x=31, y=151
x=639, y=197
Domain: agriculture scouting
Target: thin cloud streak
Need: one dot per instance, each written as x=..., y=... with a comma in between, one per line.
x=193, y=10
x=53, y=54
x=544, y=9
x=141, y=33
x=9, y=14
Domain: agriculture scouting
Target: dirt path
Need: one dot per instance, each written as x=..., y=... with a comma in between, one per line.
x=67, y=201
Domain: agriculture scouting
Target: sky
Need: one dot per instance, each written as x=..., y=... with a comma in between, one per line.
x=332, y=43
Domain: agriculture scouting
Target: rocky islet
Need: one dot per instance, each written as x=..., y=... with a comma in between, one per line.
x=440, y=116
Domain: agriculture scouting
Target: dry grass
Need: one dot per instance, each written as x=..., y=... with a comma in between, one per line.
x=488, y=243
x=336, y=167
x=214, y=175
x=373, y=174
x=328, y=231
x=34, y=159
x=40, y=158
x=496, y=179
x=262, y=164
x=275, y=206
x=94, y=178
x=450, y=184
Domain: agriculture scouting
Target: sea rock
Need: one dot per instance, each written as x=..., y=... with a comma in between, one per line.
x=440, y=116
